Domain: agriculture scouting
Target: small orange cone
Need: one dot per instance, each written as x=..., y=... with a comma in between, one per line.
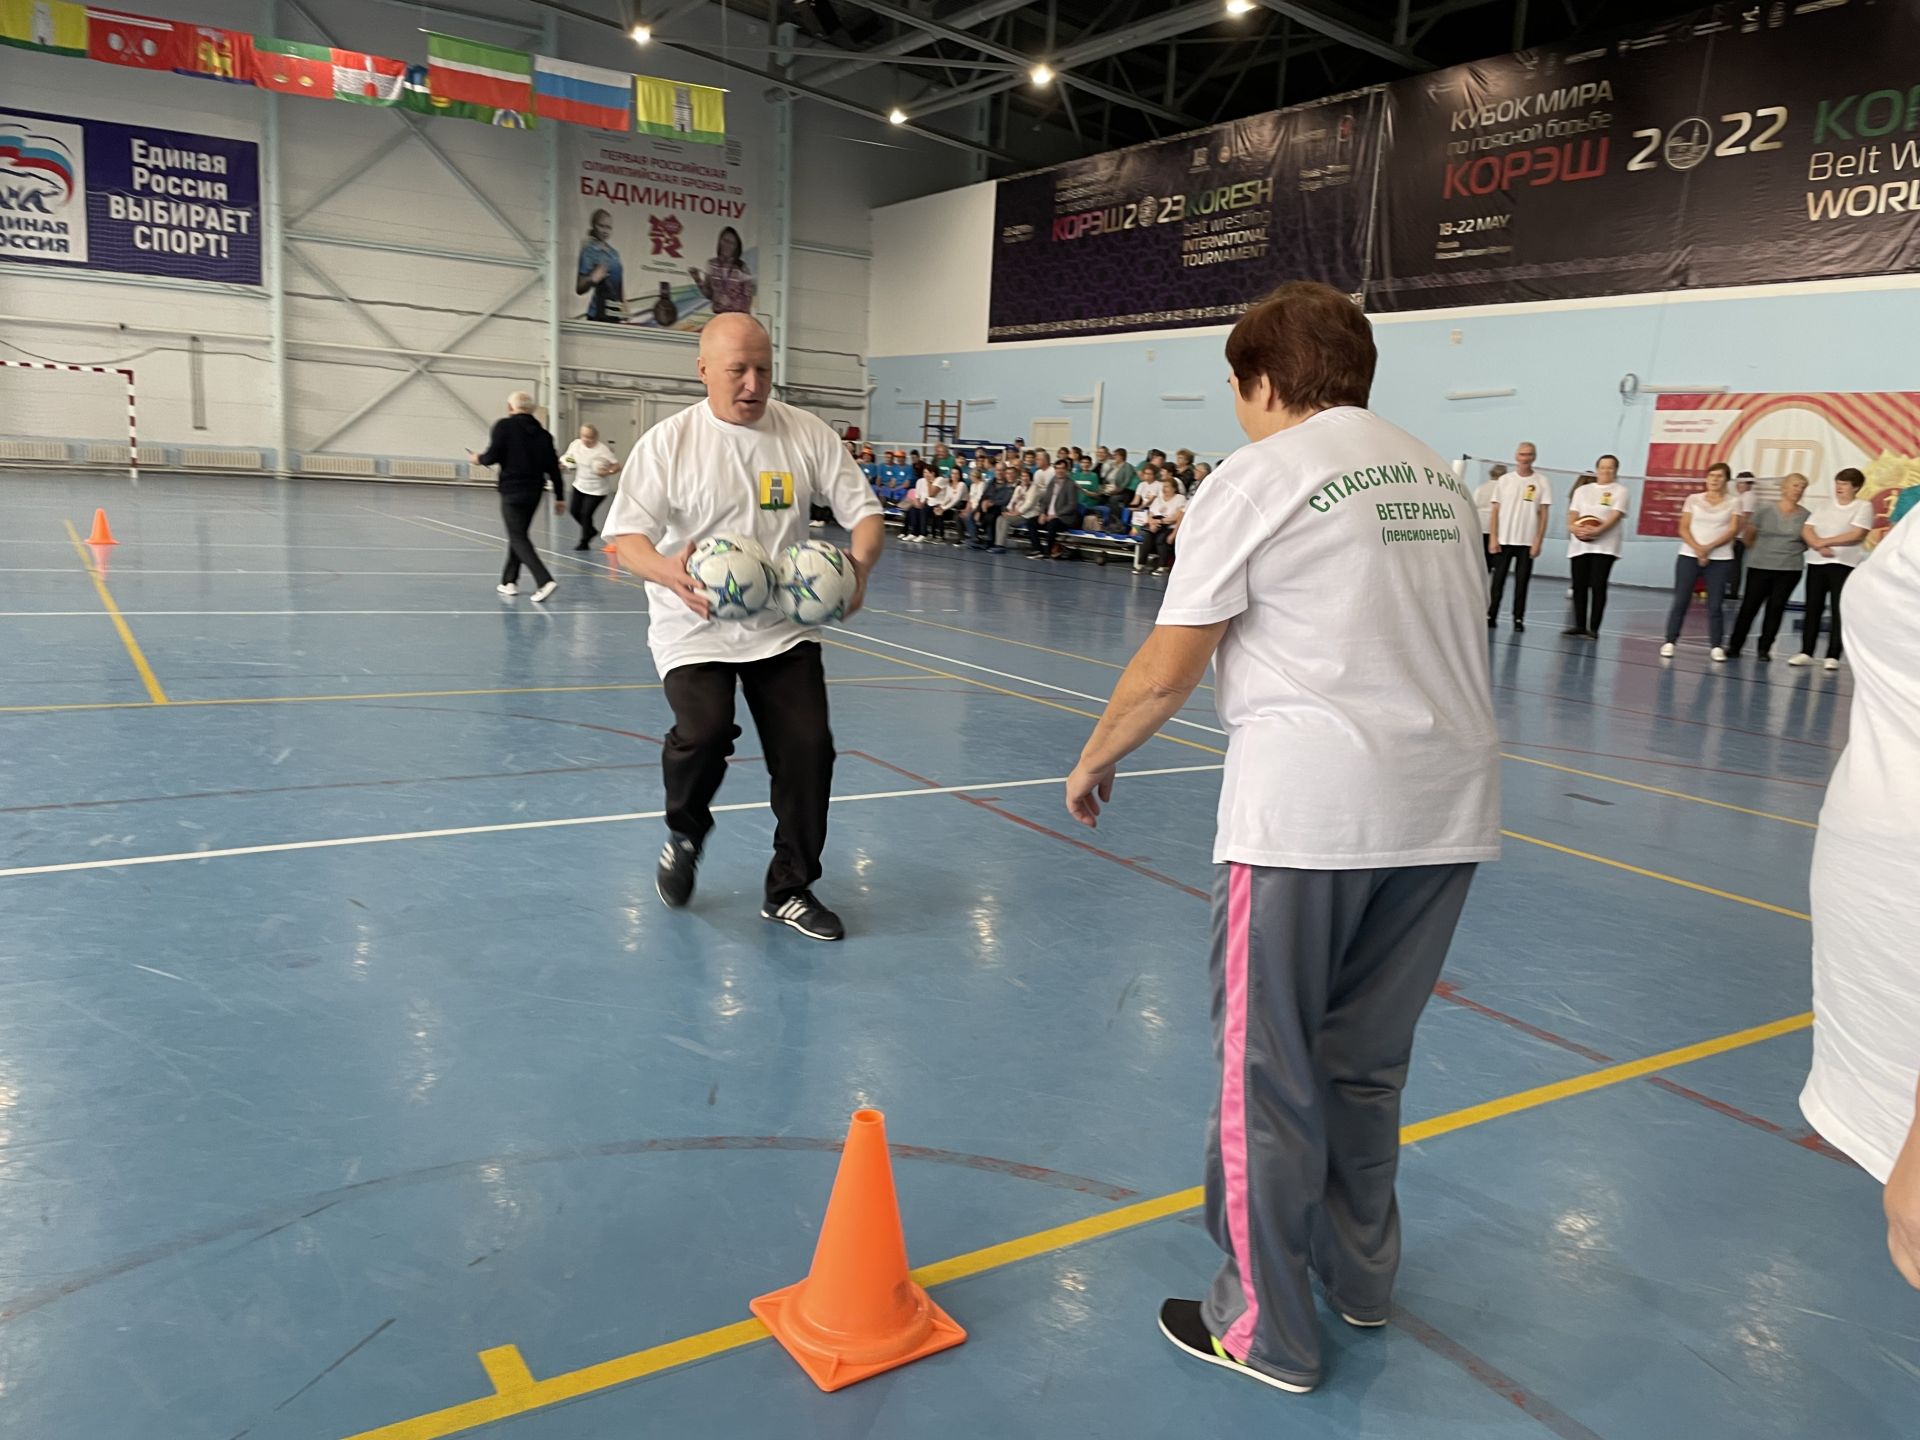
x=858, y=1312
x=102, y=534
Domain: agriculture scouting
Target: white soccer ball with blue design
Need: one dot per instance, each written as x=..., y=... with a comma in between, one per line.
x=736, y=573
x=815, y=582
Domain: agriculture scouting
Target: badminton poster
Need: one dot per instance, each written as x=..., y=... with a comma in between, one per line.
x=662, y=231
x=1187, y=231
x=90, y=195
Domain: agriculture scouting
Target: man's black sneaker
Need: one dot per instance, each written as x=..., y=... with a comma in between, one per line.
x=807, y=915
x=1519, y=624
x=679, y=860
x=1180, y=1322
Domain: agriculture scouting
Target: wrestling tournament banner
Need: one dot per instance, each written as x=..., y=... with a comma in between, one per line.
x=1746, y=144
x=662, y=231
x=1813, y=433
x=1185, y=231
x=95, y=196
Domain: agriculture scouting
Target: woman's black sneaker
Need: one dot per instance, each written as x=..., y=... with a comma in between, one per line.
x=673, y=878
x=807, y=915
x=1181, y=1323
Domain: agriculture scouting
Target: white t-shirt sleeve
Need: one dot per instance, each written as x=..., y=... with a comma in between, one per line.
x=640, y=501
x=1221, y=532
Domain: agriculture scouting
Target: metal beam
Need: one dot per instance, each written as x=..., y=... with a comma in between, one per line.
x=1163, y=26
x=773, y=77
x=427, y=252
x=966, y=19
x=1347, y=33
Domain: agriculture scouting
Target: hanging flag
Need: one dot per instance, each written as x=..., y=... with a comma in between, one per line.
x=580, y=94
x=293, y=68
x=217, y=54
x=323, y=73
x=416, y=94
x=136, y=40
x=50, y=25
x=479, y=74
x=690, y=112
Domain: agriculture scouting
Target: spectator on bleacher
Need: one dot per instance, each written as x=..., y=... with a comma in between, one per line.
x=986, y=503
x=1149, y=489
x=1777, y=549
x=1022, y=510
x=948, y=504
x=1183, y=469
x=1834, y=537
x=1103, y=461
x=1059, y=512
x=1201, y=471
x=916, y=507
x=1708, y=523
x=942, y=457
x=1163, y=524
x=1595, y=512
x=1124, y=475
x=1516, y=531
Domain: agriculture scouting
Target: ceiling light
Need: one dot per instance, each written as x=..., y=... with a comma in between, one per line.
x=896, y=116
x=1239, y=7
x=1041, y=74
x=641, y=34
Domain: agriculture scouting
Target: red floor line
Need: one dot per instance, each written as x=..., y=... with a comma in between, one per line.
x=1038, y=828
x=1535, y=1407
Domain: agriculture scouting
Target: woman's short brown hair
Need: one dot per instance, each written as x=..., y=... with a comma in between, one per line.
x=1313, y=344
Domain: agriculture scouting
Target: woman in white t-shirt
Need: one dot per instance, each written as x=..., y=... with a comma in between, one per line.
x=591, y=467
x=917, y=508
x=1708, y=523
x=1834, y=548
x=1361, y=789
x=1594, y=517
x=1861, y=1094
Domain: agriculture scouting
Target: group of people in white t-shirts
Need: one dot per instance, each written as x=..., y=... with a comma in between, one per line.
x=1727, y=534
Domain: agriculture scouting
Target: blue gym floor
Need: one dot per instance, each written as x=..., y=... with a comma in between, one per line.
x=344, y=1038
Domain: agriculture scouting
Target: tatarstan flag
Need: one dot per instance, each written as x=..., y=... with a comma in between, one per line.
x=50, y=25
x=479, y=74
x=138, y=41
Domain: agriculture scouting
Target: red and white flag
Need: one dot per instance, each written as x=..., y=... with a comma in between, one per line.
x=137, y=40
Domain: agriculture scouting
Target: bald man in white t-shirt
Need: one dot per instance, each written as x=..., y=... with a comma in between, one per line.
x=1360, y=793
x=740, y=463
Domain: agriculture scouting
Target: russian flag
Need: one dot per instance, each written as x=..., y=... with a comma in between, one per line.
x=581, y=94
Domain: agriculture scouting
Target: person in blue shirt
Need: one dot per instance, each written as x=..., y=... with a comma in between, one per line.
x=600, y=273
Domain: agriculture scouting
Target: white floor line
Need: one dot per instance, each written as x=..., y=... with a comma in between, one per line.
x=1007, y=675
x=250, y=545
x=178, y=857
x=135, y=614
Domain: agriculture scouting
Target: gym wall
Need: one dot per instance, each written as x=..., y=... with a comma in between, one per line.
x=375, y=192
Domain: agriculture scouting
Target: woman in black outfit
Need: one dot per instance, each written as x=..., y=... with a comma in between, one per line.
x=522, y=448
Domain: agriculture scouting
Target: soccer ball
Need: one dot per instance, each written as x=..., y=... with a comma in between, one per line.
x=816, y=582
x=736, y=573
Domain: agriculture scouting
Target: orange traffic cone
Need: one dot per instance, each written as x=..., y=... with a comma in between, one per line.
x=858, y=1313
x=102, y=534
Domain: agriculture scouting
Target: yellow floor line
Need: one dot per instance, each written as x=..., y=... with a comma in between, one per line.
x=155, y=694
x=1659, y=875
x=517, y=1393
x=1659, y=790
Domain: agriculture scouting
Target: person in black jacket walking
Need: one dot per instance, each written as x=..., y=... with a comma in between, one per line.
x=522, y=448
